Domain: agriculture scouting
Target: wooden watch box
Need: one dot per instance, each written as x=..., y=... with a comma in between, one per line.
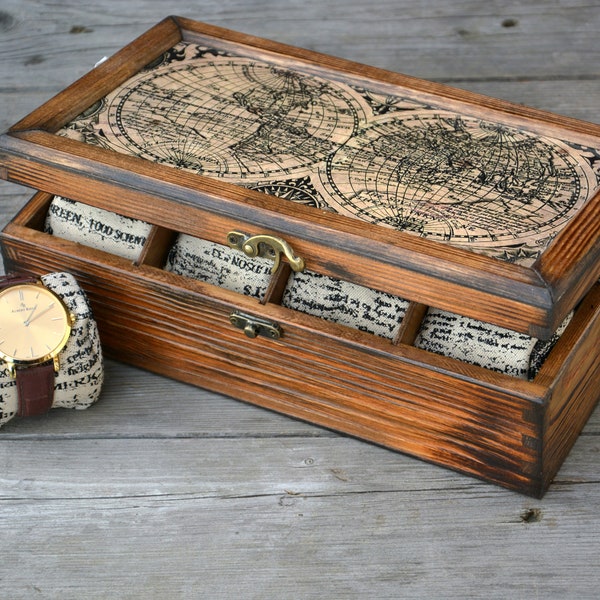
x=398, y=196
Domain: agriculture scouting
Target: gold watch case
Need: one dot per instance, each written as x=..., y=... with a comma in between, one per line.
x=35, y=325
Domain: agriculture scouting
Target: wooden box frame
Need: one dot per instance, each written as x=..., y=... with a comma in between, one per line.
x=506, y=430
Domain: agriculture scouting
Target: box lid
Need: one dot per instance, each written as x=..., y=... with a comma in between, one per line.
x=441, y=196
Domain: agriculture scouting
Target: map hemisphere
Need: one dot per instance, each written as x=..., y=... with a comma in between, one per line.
x=456, y=179
x=230, y=118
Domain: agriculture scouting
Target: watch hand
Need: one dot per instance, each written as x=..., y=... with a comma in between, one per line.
x=28, y=319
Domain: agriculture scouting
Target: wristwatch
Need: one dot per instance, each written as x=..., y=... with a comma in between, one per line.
x=35, y=326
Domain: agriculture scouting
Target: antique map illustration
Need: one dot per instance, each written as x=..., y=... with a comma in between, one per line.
x=388, y=160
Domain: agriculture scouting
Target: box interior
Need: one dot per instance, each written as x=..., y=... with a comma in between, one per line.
x=309, y=292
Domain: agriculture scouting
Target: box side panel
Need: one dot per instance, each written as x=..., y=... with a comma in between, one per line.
x=576, y=389
x=179, y=328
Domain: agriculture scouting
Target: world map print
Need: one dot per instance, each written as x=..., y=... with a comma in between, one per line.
x=388, y=160
x=456, y=179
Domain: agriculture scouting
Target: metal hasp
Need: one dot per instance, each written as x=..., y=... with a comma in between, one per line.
x=265, y=246
x=255, y=326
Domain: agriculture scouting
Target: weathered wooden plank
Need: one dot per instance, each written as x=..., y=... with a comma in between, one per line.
x=218, y=499
x=429, y=39
x=390, y=33
x=154, y=519
x=249, y=458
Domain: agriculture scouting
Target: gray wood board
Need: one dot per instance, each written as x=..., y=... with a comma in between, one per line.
x=163, y=490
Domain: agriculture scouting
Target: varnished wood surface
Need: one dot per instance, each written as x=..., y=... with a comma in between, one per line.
x=163, y=490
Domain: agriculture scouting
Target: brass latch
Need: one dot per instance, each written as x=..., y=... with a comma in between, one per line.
x=265, y=246
x=255, y=326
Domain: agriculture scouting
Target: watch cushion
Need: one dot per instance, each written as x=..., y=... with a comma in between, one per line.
x=79, y=380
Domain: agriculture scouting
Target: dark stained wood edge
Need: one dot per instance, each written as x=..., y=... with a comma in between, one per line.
x=277, y=284
x=33, y=214
x=572, y=374
x=156, y=247
x=411, y=323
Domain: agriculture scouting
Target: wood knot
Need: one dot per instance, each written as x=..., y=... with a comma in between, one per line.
x=80, y=29
x=7, y=21
x=531, y=515
x=507, y=23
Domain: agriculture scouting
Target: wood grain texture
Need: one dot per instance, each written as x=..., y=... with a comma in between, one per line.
x=221, y=499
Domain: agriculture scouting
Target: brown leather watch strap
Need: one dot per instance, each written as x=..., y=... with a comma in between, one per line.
x=16, y=278
x=35, y=388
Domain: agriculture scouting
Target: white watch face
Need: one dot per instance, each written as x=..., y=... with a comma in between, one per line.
x=34, y=324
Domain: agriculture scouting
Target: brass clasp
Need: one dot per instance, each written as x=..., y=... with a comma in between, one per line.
x=265, y=246
x=254, y=326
